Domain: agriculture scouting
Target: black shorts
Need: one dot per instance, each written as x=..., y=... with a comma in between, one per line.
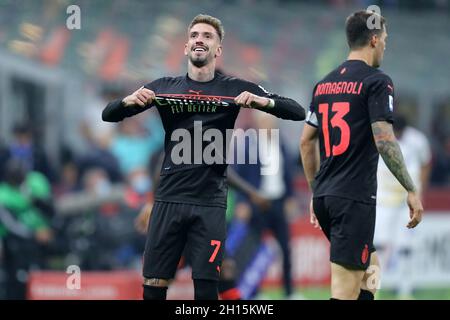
x=349, y=225
x=174, y=226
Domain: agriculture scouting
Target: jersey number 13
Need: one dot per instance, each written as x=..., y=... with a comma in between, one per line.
x=341, y=109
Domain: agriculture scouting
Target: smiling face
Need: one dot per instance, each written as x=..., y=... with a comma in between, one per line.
x=203, y=45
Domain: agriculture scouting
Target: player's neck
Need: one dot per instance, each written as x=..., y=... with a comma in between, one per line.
x=362, y=55
x=202, y=74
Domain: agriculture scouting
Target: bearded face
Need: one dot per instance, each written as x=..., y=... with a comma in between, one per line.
x=203, y=45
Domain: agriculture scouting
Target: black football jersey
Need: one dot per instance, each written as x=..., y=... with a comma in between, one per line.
x=191, y=107
x=343, y=107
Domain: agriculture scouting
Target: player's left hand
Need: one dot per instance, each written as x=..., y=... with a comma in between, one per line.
x=312, y=217
x=250, y=100
x=415, y=209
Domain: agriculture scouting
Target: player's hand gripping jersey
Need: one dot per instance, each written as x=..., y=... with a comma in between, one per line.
x=194, y=106
x=343, y=106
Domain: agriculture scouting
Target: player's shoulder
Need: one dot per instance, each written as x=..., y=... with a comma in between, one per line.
x=225, y=77
x=233, y=79
x=355, y=70
x=378, y=80
x=328, y=77
x=377, y=76
x=166, y=81
x=243, y=83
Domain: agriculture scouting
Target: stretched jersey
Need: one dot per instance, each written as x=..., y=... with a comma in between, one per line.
x=190, y=108
x=343, y=107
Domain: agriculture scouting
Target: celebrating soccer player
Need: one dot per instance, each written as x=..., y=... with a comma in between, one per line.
x=190, y=200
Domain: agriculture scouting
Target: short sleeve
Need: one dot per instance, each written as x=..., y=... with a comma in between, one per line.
x=311, y=117
x=380, y=99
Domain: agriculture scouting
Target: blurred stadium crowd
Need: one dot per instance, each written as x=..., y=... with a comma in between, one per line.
x=71, y=186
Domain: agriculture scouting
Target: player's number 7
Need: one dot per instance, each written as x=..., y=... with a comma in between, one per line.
x=217, y=244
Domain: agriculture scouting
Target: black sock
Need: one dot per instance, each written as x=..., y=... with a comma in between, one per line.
x=225, y=285
x=334, y=299
x=365, y=295
x=228, y=290
x=154, y=293
x=205, y=289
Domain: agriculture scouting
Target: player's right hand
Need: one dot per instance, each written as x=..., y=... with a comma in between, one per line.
x=140, y=97
x=312, y=216
x=142, y=220
x=415, y=209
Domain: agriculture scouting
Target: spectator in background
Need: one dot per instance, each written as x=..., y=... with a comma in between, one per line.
x=95, y=133
x=24, y=229
x=69, y=180
x=392, y=239
x=441, y=162
x=23, y=149
x=277, y=187
x=137, y=141
x=98, y=137
x=98, y=156
x=440, y=134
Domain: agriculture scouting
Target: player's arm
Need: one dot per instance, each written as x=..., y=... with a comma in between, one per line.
x=389, y=150
x=256, y=97
x=309, y=153
x=284, y=108
x=135, y=103
x=380, y=101
x=311, y=161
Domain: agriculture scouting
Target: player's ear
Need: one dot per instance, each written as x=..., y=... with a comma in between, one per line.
x=186, y=50
x=219, y=51
x=373, y=41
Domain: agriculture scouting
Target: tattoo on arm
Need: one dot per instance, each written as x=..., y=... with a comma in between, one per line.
x=390, y=151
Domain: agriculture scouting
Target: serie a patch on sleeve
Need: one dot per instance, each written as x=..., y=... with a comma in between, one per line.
x=311, y=118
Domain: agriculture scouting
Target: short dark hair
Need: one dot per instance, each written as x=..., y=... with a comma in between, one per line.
x=357, y=31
